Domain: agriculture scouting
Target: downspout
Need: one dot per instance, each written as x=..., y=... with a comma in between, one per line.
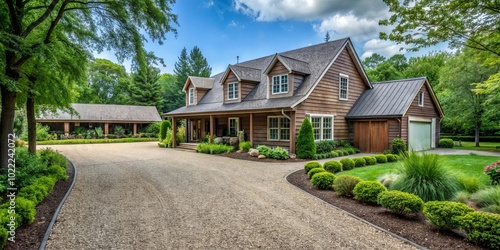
x=283, y=113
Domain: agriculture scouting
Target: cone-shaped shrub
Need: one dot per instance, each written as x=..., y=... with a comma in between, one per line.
x=306, y=148
x=165, y=125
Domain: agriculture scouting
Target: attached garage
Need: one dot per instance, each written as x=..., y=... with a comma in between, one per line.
x=371, y=136
x=421, y=133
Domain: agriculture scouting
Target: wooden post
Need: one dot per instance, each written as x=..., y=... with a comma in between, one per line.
x=66, y=128
x=135, y=128
x=292, y=132
x=106, y=129
x=174, y=130
x=251, y=129
x=212, y=129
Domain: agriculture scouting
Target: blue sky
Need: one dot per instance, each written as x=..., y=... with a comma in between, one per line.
x=225, y=29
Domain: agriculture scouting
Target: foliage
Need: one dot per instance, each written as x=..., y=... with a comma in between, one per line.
x=391, y=158
x=57, y=171
x=325, y=146
x=91, y=141
x=314, y=171
x=442, y=214
x=425, y=176
x=4, y=235
x=398, y=146
x=145, y=89
x=387, y=179
x=168, y=141
x=213, y=148
x=306, y=148
x=373, y=61
x=42, y=132
x=446, y=143
x=470, y=184
x=310, y=165
x=359, y=162
x=350, y=150
x=347, y=164
x=488, y=197
x=344, y=185
x=50, y=157
x=461, y=196
x=400, y=202
x=493, y=171
x=25, y=209
x=275, y=153
x=119, y=131
x=367, y=191
x=181, y=134
x=153, y=128
x=339, y=152
x=164, y=127
x=37, y=191
x=245, y=145
x=370, y=160
x=482, y=228
x=333, y=166
x=381, y=158
x=99, y=132
x=28, y=167
x=323, y=180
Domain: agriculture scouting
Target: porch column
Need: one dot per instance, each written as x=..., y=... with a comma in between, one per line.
x=135, y=128
x=174, y=130
x=211, y=128
x=251, y=129
x=106, y=129
x=292, y=132
x=66, y=128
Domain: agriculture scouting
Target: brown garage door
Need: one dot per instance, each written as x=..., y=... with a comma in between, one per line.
x=371, y=136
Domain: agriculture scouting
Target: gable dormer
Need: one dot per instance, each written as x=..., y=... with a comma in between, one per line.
x=238, y=81
x=196, y=87
x=284, y=76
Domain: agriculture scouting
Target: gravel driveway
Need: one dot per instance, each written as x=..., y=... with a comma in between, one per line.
x=139, y=196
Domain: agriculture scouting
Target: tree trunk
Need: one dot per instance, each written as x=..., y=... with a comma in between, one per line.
x=6, y=125
x=30, y=113
x=476, y=139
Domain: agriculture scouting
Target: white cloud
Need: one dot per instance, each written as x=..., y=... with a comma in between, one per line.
x=235, y=24
x=209, y=3
x=349, y=25
x=384, y=48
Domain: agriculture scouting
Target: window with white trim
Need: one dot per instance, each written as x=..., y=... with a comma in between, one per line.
x=232, y=91
x=234, y=126
x=191, y=96
x=278, y=128
x=343, y=87
x=322, y=127
x=280, y=84
x=421, y=99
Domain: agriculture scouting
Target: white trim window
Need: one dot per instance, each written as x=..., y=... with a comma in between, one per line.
x=191, y=96
x=232, y=91
x=343, y=87
x=234, y=126
x=280, y=84
x=322, y=127
x=278, y=128
x=421, y=99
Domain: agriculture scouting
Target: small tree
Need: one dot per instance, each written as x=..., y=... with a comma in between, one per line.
x=165, y=125
x=306, y=148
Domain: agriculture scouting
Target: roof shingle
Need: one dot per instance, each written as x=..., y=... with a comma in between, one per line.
x=105, y=112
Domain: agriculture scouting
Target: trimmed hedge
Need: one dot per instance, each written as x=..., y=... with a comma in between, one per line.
x=442, y=214
x=398, y=146
x=400, y=202
x=312, y=164
x=323, y=180
x=446, y=143
x=391, y=158
x=381, y=158
x=333, y=166
x=482, y=228
x=164, y=126
x=370, y=160
x=367, y=191
x=314, y=171
x=359, y=162
x=471, y=138
x=344, y=185
x=347, y=164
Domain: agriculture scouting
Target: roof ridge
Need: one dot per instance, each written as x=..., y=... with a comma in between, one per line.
x=111, y=104
x=243, y=66
x=400, y=80
x=203, y=77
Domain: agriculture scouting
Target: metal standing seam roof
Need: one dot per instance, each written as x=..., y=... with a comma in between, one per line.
x=105, y=112
x=386, y=99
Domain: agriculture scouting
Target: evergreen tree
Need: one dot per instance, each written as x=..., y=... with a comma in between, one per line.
x=306, y=147
x=198, y=65
x=145, y=89
x=327, y=36
x=181, y=69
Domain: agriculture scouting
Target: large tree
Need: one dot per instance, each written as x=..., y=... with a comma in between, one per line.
x=28, y=27
x=427, y=65
x=170, y=90
x=145, y=88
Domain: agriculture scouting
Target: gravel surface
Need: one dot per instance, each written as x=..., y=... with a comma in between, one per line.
x=139, y=196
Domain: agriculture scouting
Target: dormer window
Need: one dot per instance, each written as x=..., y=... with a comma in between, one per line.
x=191, y=96
x=280, y=84
x=232, y=91
x=421, y=99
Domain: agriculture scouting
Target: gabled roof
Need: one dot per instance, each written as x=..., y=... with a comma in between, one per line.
x=293, y=65
x=390, y=99
x=199, y=82
x=242, y=73
x=104, y=112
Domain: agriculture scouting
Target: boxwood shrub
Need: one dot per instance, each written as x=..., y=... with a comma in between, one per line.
x=367, y=191
x=359, y=162
x=323, y=180
x=381, y=158
x=57, y=171
x=400, y=202
x=344, y=185
x=442, y=214
x=446, y=143
x=25, y=211
x=347, y=164
x=339, y=152
x=482, y=228
x=391, y=158
x=314, y=171
x=370, y=160
x=333, y=166
x=312, y=164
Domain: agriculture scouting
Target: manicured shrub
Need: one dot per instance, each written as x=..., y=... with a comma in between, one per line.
x=470, y=184
x=425, y=176
x=25, y=209
x=334, y=154
x=279, y=153
x=367, y=191
x=50, y=157
x=314, y=171
x=359, y=162
x=28, y=167
x=344, y=152
x=442, y=214
x=5, y=217
x=325, y=146
x=4, y=235
x=164, y=126
x=381, y=158
x=350, y=151
x=312, y=164
x=446, y=143
x=391, y=158
x=47, y=181
x=339, y=152
x=487, y=198
x=370, y=160
x=212, y=148
x=306, y=148
x=34, y=193
x=153, y=129
x=387, y=179
x=347, y=164
x=323, y=180
x=344, y=185
x=400, y=202
x=482, y=228
x=333, y=166
x=398, y=146
x=245, y=146
x=57, y=171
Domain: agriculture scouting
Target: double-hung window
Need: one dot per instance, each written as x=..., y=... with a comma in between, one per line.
x=343, y=87
x=191, y=96
x=322, y=127
x=280, y=84
x=234, y=126
x=278, y=128
x=232, y=91
x=421, y=99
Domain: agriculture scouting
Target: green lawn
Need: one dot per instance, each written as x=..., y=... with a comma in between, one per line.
x=469, y=165
x=483, y=146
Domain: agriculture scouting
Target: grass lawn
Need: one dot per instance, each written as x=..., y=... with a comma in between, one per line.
x=469, y=165
x=483, y=146
x=89, y=141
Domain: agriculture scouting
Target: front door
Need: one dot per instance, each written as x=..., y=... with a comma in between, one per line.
x=196, y=130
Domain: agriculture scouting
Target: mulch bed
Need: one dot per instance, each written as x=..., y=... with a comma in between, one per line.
x=412, y=227
x=246, y=156
x=31, y=236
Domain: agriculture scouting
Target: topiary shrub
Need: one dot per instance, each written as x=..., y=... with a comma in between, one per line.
x=347, y=164
x=367, y=191
x=323, y=180
x=344, y=185
x=446, y=143
x=314, y=171
x=333, y=166
x=359, y=162
x=370, y=160
x=164, y=126
x=381, y=158
x=482, y=228
x=400, y=202
x=398, y=146
x=442, y=214
x=339, y=152
x=391, y=158
x=312, y=164
x=245, y=145
x=306, y=148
